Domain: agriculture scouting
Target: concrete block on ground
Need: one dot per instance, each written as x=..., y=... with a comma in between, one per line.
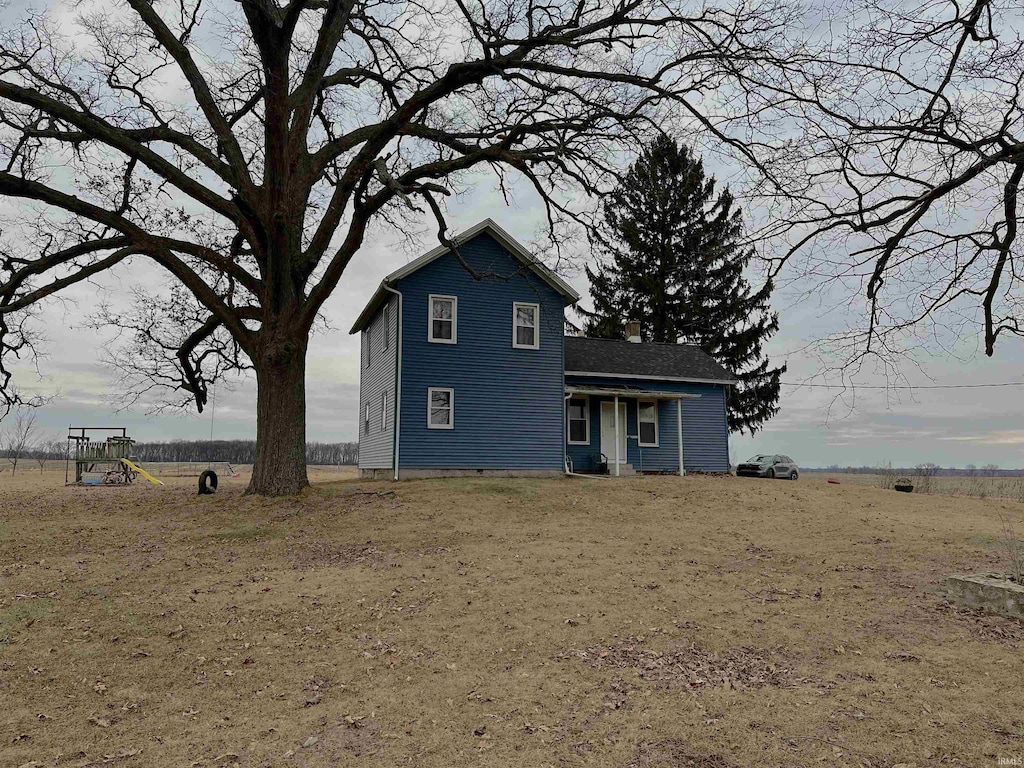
x=988, y=592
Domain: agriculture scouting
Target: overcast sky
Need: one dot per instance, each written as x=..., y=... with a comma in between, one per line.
x=949, y=427
x=952, y=427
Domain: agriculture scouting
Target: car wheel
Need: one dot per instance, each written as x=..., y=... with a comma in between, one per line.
x=795, y=475
x=770, y=474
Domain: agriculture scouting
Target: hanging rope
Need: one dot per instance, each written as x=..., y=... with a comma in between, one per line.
x=213, y=414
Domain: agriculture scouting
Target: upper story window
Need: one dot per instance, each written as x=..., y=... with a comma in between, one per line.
x=368, y=345
x=443, y=319
x=525, y=324
x=385, y=318
x=647, y=418
x=440, y=408
x=578, y=421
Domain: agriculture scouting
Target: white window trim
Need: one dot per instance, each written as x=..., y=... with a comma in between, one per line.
x=386, y=322
x=638, y=432
x=366, y=418
x=451, y=407
x=586, y=418
x=536, y=325
x=430, y=319
x=383, y=411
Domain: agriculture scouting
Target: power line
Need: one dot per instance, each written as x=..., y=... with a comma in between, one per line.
x=904, y=386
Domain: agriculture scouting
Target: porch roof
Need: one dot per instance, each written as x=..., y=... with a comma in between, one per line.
x=626, y=391
x=619, y=358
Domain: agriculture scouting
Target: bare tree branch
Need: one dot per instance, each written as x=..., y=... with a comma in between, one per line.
x=304, y=124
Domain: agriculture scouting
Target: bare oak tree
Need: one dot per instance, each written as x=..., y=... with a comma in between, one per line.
x=246, y=148
x=912, y=168
x=18, y=437
x=51, y=448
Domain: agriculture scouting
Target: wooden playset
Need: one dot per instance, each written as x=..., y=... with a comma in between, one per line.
x=103, y=462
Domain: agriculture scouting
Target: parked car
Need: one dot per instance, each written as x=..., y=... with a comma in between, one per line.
x=770, y=466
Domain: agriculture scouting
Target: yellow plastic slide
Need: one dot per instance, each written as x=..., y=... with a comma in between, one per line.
x=141, y=471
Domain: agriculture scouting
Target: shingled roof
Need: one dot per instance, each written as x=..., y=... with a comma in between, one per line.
x=645, y=360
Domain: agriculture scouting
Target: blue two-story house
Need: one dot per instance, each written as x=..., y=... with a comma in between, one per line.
x=466, y=369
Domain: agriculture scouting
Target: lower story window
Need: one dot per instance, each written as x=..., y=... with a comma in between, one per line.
x=578, y=428
x=440, y=408
x=366, y=419
x=647, y=417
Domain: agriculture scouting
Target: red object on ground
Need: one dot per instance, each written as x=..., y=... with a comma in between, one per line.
x=834, y=482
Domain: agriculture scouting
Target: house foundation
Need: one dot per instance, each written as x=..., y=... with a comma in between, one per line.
x=420, y=474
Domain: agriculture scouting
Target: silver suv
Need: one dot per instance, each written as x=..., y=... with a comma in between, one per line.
x=770, y=466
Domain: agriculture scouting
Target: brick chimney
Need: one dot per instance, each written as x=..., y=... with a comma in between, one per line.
x=633, y=331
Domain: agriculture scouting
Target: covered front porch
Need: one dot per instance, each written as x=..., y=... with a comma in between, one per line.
x=624, y=428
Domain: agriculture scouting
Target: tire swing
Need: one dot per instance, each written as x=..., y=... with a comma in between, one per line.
x=207, y=482
x=208, y=478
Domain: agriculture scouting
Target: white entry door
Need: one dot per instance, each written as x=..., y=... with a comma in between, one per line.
x=608, y=431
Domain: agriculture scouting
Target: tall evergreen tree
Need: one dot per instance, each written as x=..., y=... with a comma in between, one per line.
x=671, y=257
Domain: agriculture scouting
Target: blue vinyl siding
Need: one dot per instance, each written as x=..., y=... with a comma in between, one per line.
x=377, y=376
x=705, y=427
x=507, y=402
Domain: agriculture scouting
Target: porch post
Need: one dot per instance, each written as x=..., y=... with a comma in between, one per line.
x=616, y=435
x=679, y=431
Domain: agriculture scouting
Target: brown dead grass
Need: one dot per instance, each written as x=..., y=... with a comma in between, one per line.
x=463, y=622
x=689, y=667
x=1002, y=487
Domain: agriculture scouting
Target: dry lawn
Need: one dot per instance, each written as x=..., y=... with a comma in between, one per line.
x=642, y=623
x=1001, y=487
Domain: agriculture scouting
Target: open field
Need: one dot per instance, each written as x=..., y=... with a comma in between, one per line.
x=163, y=469
x=645, y=623
x=1001, y=487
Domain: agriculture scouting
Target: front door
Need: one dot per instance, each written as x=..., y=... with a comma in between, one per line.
x=608, y=431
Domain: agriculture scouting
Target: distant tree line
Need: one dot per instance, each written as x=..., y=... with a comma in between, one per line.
x=238, y=451
x=20, y=442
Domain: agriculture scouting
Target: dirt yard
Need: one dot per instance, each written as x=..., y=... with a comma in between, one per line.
x=642, y=623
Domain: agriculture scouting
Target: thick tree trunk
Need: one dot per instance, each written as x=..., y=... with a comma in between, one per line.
x=280, y=468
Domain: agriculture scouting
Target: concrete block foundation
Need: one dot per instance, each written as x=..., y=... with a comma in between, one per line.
x=988, y=592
